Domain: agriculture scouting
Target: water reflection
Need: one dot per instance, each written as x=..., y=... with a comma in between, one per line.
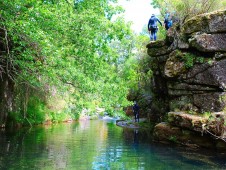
x=135, y=138
x=96, y=145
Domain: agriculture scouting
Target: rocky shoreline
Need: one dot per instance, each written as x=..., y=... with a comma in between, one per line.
x=189, y=82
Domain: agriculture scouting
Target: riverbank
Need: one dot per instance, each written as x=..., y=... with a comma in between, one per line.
x=143, y=123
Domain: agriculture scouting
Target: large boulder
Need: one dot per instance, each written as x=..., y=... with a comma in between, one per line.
x=213, y=22
x=184, y=120
x=166, y=133
x=180, y=42
x=174, y=65
x=157, y=48
x=153, y=52
x=189, y=82
x=213, y=123
x=195, y=88
x=209, y=42
x=156, y=44
x=213, y=102
x=211, y=73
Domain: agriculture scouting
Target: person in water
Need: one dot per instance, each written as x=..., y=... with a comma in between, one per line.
x=136, y=109
x=153, y=28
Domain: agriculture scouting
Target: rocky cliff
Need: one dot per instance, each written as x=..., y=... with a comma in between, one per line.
x=189, y=81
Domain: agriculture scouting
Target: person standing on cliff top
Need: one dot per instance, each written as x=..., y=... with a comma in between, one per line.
x=168, y=22
x=153, y=28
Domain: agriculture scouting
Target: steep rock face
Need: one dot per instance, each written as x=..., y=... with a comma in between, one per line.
x=157, y=48
x=166, y=133
x=174, y=66
x=209, y=74
x=213, y=22
x=209, y=42
x=189, y=75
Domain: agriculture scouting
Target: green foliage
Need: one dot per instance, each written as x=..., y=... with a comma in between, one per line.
x=36, y=111
x=185, y=9
x=58, y=117
x=189, y=59
x=210, y=61
x=173, y=138
x=15, y=117
x=75, y=48
x=207, y=115
x=161, y=33
x=200, y=60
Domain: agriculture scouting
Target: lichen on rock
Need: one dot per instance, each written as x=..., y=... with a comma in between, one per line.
x=214, y=22
x=190, y=81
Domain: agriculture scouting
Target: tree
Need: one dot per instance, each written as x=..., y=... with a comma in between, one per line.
x=74, y=49
x=185, y=9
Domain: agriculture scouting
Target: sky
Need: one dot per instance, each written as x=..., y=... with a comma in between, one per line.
x=138, y=11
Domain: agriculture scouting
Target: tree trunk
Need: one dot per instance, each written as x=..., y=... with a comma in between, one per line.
x=6, y=99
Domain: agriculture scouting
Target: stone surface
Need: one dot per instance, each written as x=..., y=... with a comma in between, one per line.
x=156, y=44
x=182, y=103
x=182, y=88
x=212, y=123
x=216, y=124
x=174, y=66
x=209, y=42
x=219, y=55
x=183, y=43
x=162, y=59
x=179, y=41
x=212, y=102
x=170, y=34
x=182, y=119
x=189, y=87
x=189, y=82
x=209, y=74
x=130, y=123
x=213, y=22
x=163, y=132
x=153, y=52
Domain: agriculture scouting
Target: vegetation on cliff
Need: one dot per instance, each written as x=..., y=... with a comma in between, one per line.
x=189, y=72
x=185, y=9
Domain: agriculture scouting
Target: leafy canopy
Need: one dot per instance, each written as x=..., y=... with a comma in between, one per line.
x=73, y=46
x=185, y=9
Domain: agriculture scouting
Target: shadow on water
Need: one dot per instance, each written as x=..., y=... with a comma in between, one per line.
x=97, y=145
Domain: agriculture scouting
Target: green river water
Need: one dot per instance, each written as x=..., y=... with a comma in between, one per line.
x=97, y=144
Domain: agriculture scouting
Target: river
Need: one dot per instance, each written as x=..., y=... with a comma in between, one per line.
x=97, y=144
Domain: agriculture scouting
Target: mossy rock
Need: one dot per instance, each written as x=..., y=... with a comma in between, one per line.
x=156, y=44
x=213, y=22
x=175, y=66
x=209, y=42
x=158, y=51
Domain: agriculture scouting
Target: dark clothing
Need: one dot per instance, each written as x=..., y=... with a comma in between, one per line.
x=168, y=23
x=152, y=23
x=136, y=109
x=152, y=26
